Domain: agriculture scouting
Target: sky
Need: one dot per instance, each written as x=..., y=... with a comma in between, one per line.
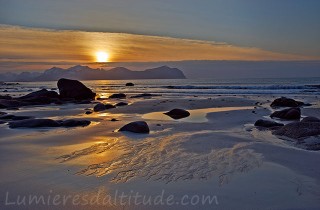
x=38, y=33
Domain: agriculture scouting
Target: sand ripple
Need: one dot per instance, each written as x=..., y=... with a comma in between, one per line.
x=165, y=159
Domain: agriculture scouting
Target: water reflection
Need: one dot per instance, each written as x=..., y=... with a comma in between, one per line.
x=196, y=115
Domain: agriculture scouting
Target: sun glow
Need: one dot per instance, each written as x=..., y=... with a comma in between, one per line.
x=102, y=56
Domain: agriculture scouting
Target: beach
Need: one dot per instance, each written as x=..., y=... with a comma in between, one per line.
x=214, y=159
x=159, y=105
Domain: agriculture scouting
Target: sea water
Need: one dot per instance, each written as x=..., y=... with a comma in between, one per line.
x=274, y=86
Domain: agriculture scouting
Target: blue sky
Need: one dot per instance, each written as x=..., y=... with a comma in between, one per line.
x=285, y=26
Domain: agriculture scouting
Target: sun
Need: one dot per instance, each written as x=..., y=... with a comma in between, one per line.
x=102, y=56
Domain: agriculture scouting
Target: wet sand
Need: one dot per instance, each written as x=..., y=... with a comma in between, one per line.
x=215, y=152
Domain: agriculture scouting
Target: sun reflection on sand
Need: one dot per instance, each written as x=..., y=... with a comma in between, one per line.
x=166, y=159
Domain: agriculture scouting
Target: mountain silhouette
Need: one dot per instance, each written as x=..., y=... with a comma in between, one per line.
x=80, y=72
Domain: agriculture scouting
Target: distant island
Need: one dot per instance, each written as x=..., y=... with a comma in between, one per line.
x=80, y=72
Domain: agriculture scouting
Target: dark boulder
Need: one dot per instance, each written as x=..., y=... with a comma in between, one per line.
x=136, y=127
x=2, y=122
x=297, y=130
x=33, y=123
x=40, y=93
x=267, y=123
x=83, y=102
x=178, y=113
x=12, y=108
x=99, y=107
x=122, y=104
x=129, y=84
x=109, y=106
x=21, y=117
x=6, y=97
x=74, y=123
x=13, y=117
x=38, y=123
x=301, y=132
x=310, y=119
x=144, y=95
x=88, y=112
x=74, y=89
x=287, y=114
x=6, y=117
x=286, y=102
x=4, y=103
x=101, y=99
x=40, y=97
x=118, y=95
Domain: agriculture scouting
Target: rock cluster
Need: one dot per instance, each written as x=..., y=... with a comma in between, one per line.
x=298, y=131
x=69, y=91
x=38, y=123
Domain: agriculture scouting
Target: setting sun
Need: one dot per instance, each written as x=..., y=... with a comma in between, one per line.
x=102, y=56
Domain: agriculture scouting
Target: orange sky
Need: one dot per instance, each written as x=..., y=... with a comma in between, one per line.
x=27, y=48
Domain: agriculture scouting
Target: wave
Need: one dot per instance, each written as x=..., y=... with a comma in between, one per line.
x=244, y=87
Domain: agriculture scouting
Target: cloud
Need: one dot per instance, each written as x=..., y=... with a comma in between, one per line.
x=35, y=48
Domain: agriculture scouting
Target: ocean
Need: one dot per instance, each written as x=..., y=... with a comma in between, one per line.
x=186, y=87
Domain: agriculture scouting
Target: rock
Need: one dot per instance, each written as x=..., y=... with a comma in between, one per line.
x=101, y=99
x=297, y=130
x=178, y=113
x=109, y=106
x=40, y=97
x=310, y=119
x=99, y=107
x=136, y=127
x=287, y=114
x=286, y=102
x=301, y=132
x=38, y=123
x=118, y=95
x=20, y=117
x=41, y=93
x=33, y=123
x=2, y=122
x=11, y=83
x=74, y=123
x=6, y=97
x=83, y=102
x=4, y=103
x=267, y=123
x=74, y=89
x=13, y=108
x=114, y=120
x=6, y=117
x=144, y=95
x=89, y=112
x=122, y=104
x=129, y=84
